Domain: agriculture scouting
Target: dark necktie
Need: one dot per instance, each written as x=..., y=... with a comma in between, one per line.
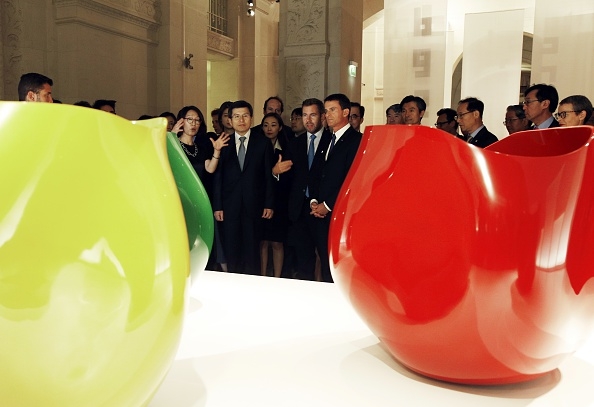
x=312, y=151
x=332, y=144
x=241, y=152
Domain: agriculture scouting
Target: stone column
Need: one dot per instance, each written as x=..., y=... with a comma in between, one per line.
x=317, y=39
x=11, y=20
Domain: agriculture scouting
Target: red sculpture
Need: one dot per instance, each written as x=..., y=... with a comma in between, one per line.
x=471, y=265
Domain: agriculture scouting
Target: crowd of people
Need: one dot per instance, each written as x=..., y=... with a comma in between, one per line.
x=273, y=187
x=537, y=111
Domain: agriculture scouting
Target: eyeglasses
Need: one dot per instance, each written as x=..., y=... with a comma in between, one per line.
x=563, y=115
x=528, y=101
x=439, y=124
x=192, y=120
x=460, y=115
x=244, y=116
x=354, y=116
x=510, y=121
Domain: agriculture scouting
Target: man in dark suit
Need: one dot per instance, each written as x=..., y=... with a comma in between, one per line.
x=243, y=191
x=307, y=153
x=341, y=153
x=469, y=116
x=540, y=102
x=274, y=104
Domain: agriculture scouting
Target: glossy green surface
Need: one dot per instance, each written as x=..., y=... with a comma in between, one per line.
x=195, y=202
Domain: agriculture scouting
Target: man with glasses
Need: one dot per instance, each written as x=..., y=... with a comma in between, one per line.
x=469, y=116
x=35, y=87
x=446, y=121
x=243, y=191
x=540, y=101
x=357, y=115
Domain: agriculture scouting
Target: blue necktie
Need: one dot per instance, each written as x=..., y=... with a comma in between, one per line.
x=312, y=151
x=241, y=152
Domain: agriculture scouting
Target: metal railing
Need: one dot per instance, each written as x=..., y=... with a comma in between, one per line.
x=217, y=16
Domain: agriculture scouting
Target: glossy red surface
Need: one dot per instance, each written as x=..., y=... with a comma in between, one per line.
x=471, y=265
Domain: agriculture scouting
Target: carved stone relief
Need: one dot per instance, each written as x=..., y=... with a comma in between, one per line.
x=306, y=21
x=143, y=17
x=11, y=29
x=148, y=8
x=305, y=78
x=220, y=43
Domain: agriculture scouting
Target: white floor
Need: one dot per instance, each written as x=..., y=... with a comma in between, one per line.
x=261, y=341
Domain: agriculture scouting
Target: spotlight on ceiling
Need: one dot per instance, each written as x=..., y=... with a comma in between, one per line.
x=251, y=12
x=250, y=3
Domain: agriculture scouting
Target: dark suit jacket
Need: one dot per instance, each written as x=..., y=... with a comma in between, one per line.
x=246, y=192
x=303, y=177
x=337, y=166
x=483, y=138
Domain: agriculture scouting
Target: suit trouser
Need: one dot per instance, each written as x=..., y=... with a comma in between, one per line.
x=301, y=239
x=241, y=242
x=321, y=238
x=307, y=235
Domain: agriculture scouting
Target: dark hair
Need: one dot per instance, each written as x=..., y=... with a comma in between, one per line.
x=104, y=102
x=281, y=137
x=146, y=117
x=238, y=104
x=215, y=112
x=361, y=108
x=341, y=98
x=449, y=112
x=168, y=114
x=224, y=108
x=297, y=111
x=545, y=92
x=474, y=104
x=395, y=107
x=184, y=111
x=277, y=117
x=579, y=103
x=32, y=82
x=421, y=105
x=274, y=98
x=313, y=102
x=82, y=103
x=518, y=110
